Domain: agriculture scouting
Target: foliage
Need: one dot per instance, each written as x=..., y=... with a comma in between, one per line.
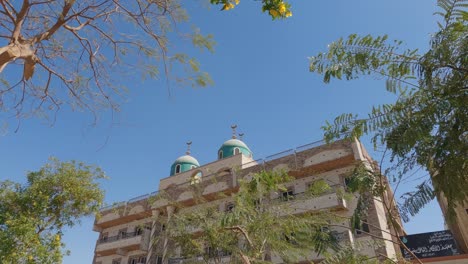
x=414, y=201
x=348, y=256
x=277, y=9
x=33, y=215
x=77, y=53
x=318, y=187
x=427, y=125
x=255, y=227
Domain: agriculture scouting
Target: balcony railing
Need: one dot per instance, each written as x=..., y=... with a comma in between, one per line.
x=306, y=195
x=104, y=240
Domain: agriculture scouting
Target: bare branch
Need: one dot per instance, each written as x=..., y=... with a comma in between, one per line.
x=20, y=20
x=60, y=22
x=7, y=10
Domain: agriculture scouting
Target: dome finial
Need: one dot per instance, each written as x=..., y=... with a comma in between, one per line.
x=241, y=136
x=233, y=127
x=189, y=143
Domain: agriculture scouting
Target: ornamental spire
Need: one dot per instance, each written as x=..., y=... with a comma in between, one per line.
x=233, y=127
x=189, y=143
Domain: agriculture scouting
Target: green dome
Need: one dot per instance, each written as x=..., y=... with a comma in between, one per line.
x=184, y=163
x=233, y=147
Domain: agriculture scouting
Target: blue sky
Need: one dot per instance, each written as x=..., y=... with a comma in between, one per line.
x=262, y=83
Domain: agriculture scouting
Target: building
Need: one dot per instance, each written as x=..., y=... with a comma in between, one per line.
x=128, y=228
x=458, y=225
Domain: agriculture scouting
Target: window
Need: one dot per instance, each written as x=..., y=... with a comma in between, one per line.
x=137, y=259
x=363, y=229
x=177, y=168
x=138, y=230
x=123, y=233
x=117, y=261
x=104, y=237
x=347, y=181
x=159, y=260
x=163, y=227
x=287, y=195
x=229, y=207
x=220, y=154
x=236, y=151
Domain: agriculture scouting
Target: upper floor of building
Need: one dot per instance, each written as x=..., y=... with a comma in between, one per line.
x=306, y=163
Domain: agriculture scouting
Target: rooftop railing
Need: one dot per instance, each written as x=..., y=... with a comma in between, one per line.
x=133, y=200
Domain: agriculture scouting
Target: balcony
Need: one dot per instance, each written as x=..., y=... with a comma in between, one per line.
x=123, y=243
x=302, y=202
x=124, y=212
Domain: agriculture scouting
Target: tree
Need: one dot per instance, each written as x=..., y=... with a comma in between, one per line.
x=427, y=125
x=33, y=215
x=256, y=227
x=77, y=53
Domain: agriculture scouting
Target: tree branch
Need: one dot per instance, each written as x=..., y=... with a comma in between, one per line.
x=7, y=11
x=60, y=22
x=241, y=230
x=20, y=20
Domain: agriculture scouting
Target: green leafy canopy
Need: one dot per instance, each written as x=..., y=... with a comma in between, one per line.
x=33, y=215
x=427, y=125
x=256, y=226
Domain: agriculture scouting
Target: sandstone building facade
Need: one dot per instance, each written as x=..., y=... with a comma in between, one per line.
x=127, y=229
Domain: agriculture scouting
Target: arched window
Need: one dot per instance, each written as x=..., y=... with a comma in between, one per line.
x=236, y=151
x=177, y=168
x=220, y=154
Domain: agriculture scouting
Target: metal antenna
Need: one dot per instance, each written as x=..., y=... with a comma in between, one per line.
x=233, y=127
x=189, y=143
x=241, y=136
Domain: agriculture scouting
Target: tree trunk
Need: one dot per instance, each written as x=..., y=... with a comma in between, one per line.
x=16, y=51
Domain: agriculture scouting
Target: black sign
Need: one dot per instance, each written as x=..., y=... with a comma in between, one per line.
x=429, y=245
